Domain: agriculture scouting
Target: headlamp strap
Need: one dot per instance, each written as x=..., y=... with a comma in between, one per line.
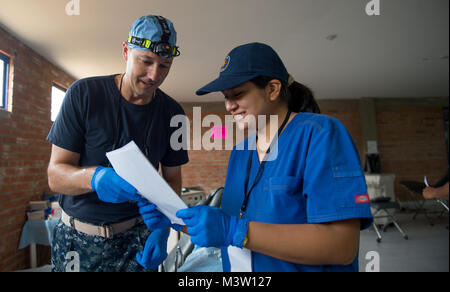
x=165, y=29
x=141, y=42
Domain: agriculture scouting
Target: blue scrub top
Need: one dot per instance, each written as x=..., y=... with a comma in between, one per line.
x=315, y=177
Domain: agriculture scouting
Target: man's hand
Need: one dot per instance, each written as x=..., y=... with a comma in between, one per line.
x=153, y=218
x=155, y=250
x=111, y=188
x=440, y=193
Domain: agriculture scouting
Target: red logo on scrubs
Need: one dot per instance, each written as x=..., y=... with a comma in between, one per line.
x=359, y=199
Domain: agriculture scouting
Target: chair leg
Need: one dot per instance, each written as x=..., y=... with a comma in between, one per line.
x=405, y=236
x=443, y=204
x=377, y=231
x=419, y=208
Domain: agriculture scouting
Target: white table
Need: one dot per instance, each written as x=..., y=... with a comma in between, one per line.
x=36, y=232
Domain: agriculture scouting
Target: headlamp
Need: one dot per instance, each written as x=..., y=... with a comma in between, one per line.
x=162, y=49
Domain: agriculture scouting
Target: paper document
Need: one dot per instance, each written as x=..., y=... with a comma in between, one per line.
x=240, y=259
x=131, y=164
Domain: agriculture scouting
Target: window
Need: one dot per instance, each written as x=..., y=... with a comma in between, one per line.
x=58, y=94
x=4, y=74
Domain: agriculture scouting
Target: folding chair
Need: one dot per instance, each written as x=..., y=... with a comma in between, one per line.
x=384, y=204
x=415, y=190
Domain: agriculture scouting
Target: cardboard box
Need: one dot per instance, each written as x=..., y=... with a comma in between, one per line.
x=38, y=205
x=36, y=215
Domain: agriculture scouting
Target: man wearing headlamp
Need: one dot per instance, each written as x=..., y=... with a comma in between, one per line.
x=101, y=219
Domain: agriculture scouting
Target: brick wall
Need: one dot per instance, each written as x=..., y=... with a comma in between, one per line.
x=348, y=117
x=412, y=144
x=24, y=152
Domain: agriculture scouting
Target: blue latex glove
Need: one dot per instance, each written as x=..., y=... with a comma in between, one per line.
x=155, y=250
x=153, y=218
x=111, y=188
x=211, y=227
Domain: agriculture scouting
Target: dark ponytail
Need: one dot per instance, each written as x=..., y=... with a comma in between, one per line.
x=300, y=98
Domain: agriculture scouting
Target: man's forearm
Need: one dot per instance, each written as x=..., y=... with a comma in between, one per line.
x=69, y=180
x=176, y=186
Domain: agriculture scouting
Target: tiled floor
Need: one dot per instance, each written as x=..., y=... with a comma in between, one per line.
x=426, y=250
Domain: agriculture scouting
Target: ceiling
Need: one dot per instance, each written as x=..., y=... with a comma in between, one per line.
x=403, y=52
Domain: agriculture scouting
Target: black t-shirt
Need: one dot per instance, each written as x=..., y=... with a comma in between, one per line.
x=95, y=119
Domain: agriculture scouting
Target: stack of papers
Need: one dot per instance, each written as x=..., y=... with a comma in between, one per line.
x=132, y=165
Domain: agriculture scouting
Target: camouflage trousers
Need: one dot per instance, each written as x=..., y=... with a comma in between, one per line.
x=73, y=251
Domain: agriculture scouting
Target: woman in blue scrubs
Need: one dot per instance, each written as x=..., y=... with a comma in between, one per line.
x=296, y=204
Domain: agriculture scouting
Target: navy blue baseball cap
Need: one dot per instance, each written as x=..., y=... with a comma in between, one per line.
x=149, y=30
x=245, y=63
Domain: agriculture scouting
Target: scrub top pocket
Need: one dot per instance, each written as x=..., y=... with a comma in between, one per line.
x=284, y=185
x=282, y=201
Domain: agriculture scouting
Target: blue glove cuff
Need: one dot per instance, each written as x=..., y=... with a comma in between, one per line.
x=177, y=227
x=97, y=170
x=241, y=232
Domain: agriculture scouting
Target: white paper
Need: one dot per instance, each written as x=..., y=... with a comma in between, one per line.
x=240, y=259
x=131, y=164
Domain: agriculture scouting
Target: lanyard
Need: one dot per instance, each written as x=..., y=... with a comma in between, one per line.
x=247, y=191
x=118, y=124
